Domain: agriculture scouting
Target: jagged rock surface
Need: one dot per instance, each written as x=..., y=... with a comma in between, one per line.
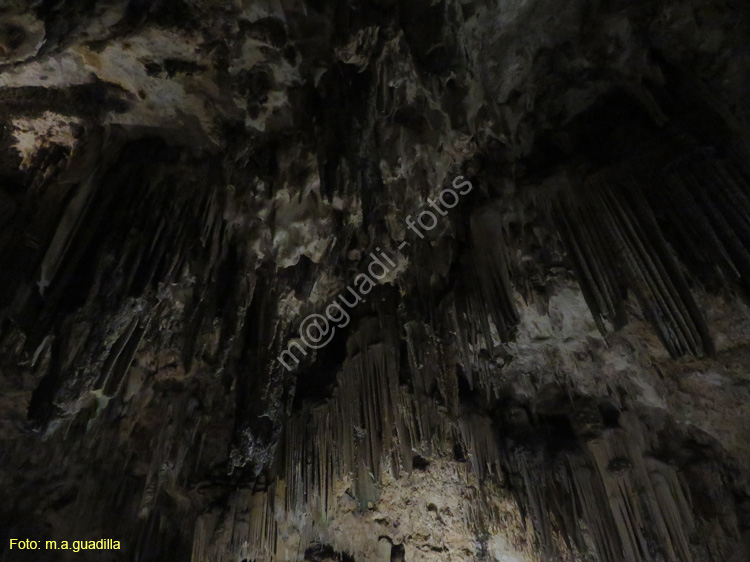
x=557, y=370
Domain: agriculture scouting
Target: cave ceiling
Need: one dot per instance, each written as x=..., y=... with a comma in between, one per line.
x=375, y=280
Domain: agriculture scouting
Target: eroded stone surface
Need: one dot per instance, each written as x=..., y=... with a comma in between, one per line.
x=556, y=371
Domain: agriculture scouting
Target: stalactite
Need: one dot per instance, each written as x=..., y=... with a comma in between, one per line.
x=608, y=484
x=179, y=187
x=372, y=423
x=492, y=271
x=468, y=335
x=615, y=214
x=478, y=435
x=596, y=272
x=707, y=199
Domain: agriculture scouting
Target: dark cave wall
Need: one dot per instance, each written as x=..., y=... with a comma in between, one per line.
x=187, y=182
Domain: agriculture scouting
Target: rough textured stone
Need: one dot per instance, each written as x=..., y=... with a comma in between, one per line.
x=556, y=370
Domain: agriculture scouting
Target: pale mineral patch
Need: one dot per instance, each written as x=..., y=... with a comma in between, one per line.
x=33, y=134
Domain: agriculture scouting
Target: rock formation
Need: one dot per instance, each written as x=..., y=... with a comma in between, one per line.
x=551, y=364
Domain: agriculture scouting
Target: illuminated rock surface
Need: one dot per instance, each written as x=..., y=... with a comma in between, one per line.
x=559, y=370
